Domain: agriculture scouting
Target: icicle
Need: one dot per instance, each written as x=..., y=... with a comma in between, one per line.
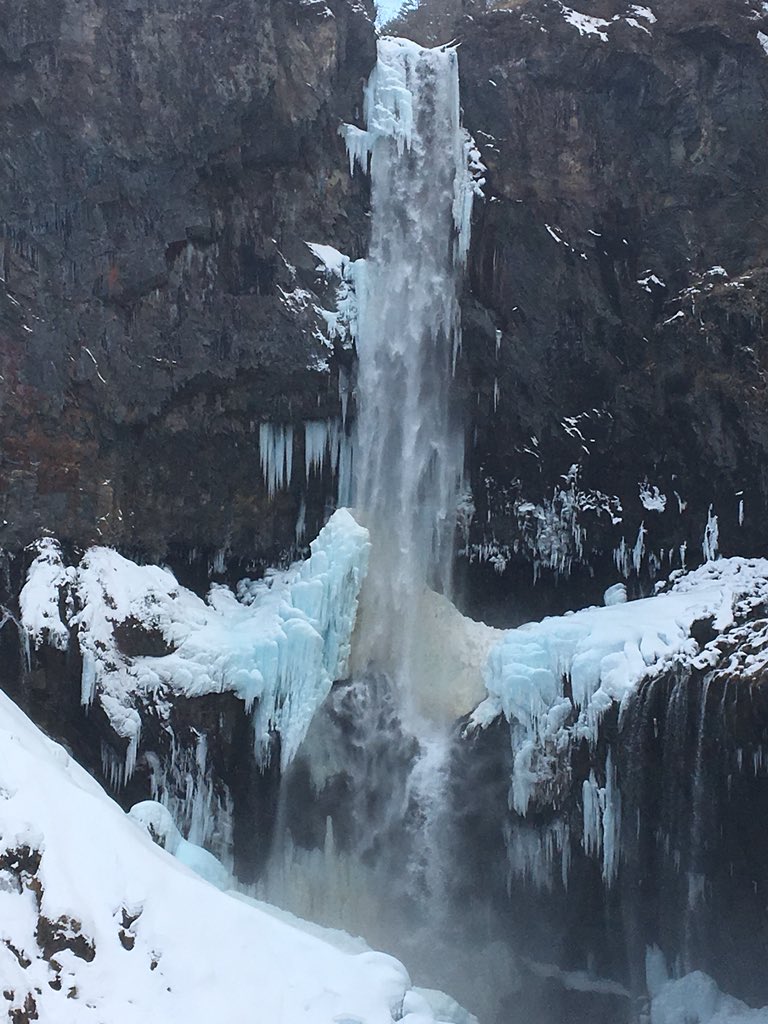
x=316, y=437
x=301, y=522
x=276, y=453
x=344, y=387
x=639, y=548
x=346, y=498
x=88, y=680
x=709, y=545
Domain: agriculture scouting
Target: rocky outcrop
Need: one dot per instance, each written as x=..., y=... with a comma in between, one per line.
x=649, y=833
x=163, y=167
x=613, y=326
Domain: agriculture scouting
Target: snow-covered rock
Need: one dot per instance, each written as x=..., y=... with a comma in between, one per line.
x=693, y=998
x=97, y=923
x=554, y=680
x=278, y=644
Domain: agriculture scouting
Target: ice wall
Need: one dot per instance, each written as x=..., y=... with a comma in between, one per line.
x=278, y=644
x=554, y=681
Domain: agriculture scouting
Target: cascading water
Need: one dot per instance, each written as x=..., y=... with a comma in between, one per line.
x=409, y=446
x=377, y=755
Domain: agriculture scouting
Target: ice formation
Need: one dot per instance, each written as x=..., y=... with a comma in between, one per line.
x=551, y=531
x=326, y=442
x=183, y=784
x=424, y=173
x=278, y=644
x=693, y=998
x=276, y=453
x=554, y=680
x=39, y=600
x=138, y=936
x=157, y=821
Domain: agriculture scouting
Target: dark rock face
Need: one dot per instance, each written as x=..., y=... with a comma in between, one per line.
x=621, y=255
x=163, y=166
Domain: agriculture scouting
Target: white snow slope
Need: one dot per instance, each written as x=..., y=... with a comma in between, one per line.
x=188, y=953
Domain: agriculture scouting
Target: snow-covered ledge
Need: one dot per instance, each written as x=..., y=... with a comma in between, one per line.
x=277, y=644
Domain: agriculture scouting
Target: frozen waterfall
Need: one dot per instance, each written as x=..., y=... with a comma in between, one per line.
x=410, y=447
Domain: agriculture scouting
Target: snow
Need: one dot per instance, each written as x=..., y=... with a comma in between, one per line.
x=649, y=278
x=155, y=941
x=693, y=998
x=643, y=12
x=601, y=654
x=278, y=644
x=651, y=498
x=332, y=261
x=762, y=38
x=39, y=598
x=585, y=23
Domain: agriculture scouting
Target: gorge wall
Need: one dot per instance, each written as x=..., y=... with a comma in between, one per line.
x=620, y=253
x=174, y=384
x=163, y=166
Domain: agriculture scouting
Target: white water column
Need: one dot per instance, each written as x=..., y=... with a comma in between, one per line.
x=409, y=448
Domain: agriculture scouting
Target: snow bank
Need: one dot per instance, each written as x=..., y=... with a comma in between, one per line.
x=554, y=680
x=693, y=999
x=39, y=599
x=278, y=644
x=139, y=937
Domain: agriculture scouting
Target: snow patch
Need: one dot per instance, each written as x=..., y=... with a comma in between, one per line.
x=585, y=23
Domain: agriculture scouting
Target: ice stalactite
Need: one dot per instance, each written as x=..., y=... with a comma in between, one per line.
x=602, y=819
x=710, y=543
x=276, y=453
x=326, y=442
x=183, y=784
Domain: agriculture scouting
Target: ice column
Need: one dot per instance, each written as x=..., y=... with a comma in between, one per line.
x=409, y=454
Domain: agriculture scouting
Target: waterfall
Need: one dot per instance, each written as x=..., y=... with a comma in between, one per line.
x=363, y=830
x=409, y=445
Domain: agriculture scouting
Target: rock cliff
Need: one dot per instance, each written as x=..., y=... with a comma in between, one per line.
x=613, y=325
x=163, y=166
